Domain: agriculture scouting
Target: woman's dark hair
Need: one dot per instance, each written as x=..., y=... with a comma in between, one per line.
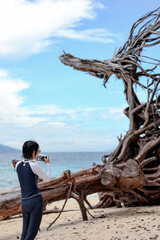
x=28, y=148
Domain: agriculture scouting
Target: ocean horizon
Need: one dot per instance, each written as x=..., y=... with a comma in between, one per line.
x=60, y=161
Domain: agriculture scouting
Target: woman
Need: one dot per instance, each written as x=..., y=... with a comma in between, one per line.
x=28, y=172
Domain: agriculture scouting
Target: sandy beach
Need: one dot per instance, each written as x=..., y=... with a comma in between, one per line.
x=136, y=223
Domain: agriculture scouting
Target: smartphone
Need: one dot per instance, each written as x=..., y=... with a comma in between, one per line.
x=41, y=157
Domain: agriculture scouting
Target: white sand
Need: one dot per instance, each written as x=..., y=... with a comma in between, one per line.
x=137, y=223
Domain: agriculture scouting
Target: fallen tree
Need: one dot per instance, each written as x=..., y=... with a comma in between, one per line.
x=133, y=169
x=70, y=185
x=76, y=185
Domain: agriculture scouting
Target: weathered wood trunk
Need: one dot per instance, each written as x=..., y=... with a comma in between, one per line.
x=81, y=183
x=132, y=171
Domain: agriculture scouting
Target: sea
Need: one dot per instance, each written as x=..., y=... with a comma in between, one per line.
x=60, y=161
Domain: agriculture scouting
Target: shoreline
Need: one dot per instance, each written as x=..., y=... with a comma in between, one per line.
x=134, y=223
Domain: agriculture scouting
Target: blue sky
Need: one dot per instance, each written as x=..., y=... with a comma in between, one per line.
x=43, y=100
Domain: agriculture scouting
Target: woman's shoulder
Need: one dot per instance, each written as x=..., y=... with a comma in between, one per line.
x=34, y=165
x=17, y=164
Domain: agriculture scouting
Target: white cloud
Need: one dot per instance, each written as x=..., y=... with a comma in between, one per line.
x=95, y=35
x=114, y=113
x=9, y=98
x=66, y=128
x=29, y=27
x=12, y=110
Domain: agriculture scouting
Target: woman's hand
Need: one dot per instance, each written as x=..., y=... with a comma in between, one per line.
x=47, y=159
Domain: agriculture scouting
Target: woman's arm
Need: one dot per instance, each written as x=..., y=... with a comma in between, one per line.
x=39, y=172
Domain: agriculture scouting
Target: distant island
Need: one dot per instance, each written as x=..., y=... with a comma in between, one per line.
x=6, y=149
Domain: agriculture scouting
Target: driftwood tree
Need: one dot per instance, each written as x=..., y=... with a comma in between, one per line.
x=132, y=171
x=131, y=174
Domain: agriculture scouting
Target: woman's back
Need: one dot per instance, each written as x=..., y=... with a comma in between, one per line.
x=28, y=180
